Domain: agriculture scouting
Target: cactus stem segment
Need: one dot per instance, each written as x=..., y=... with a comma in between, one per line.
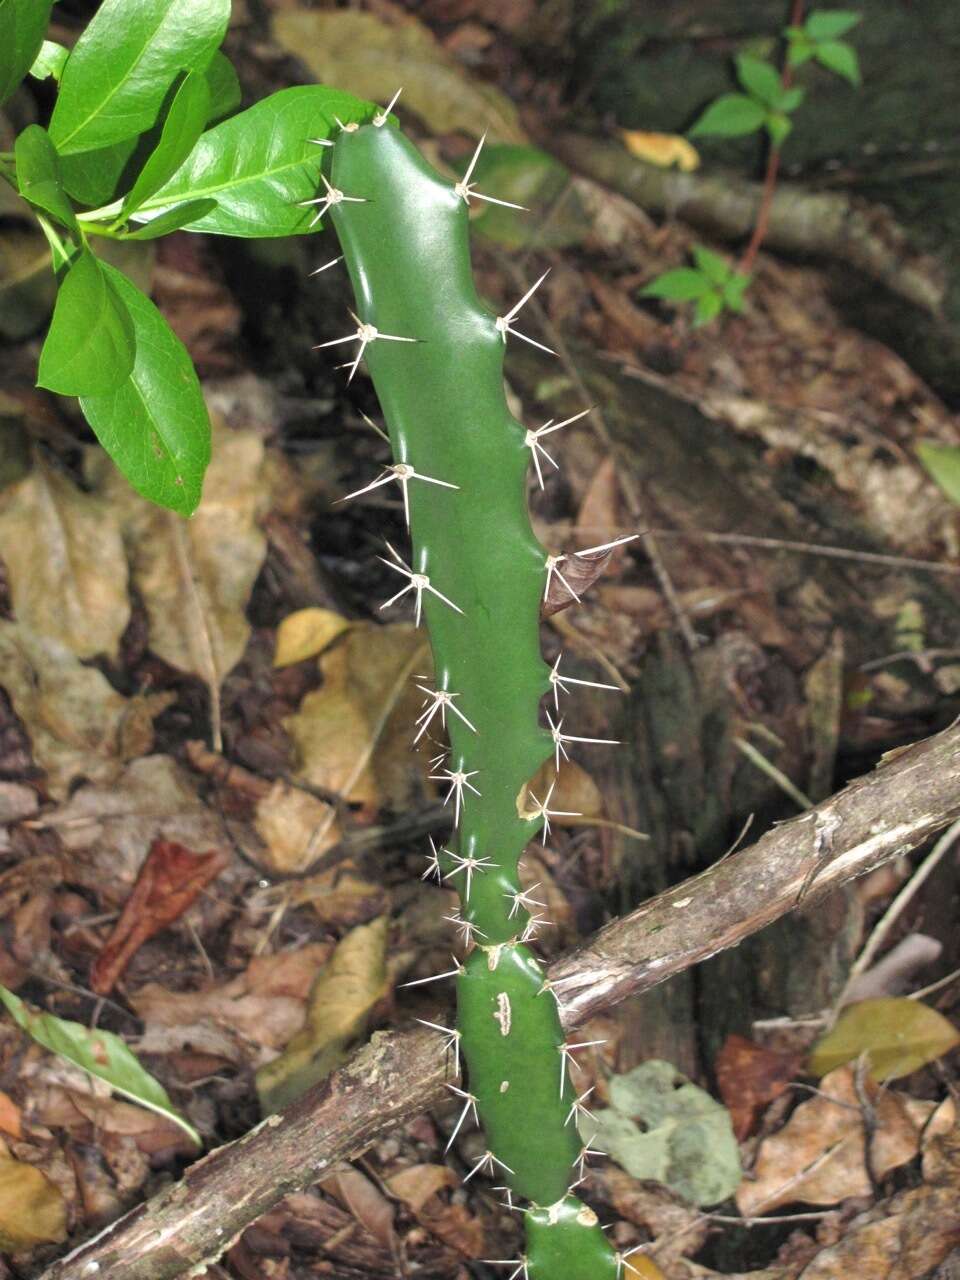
x=365, y=334
x=465, y=188
x=334, y=196
x=451, y=1040
x=458, y=779
x=470, y=1104
x=523, y=899
x=381, y=117
x=466, y=928
x=403, y=473
x=532, y=441
x=560, y=682
x=487, y=1164
x=503, y=322
x=419, y=582
x=469, y=864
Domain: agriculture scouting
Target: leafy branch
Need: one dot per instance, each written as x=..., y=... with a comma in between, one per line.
x=766, y=103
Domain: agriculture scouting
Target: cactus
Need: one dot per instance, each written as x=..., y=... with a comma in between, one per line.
x=478, y=575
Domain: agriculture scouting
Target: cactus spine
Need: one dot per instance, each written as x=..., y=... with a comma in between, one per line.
x=435, y=354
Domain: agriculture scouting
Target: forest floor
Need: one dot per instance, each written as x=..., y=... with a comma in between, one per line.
x=212, y=821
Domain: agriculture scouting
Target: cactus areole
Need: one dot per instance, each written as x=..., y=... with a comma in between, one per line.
x=478, y=576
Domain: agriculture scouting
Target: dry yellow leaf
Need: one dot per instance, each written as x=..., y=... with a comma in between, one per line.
x=344, y=995
x=353, y=735
x=288, y=820
x=661, y=149
x=898, y=1035
x=305, y=634
x=32, y=1209
x=64, y=555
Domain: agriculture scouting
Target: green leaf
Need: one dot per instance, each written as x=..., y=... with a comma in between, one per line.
x=684, y=1138
x=180, y=215
x=841, y=58
x=89, y=349
x=827, y=24
x=155, y=425
x=733, y=291
x=259, y=164
x=730, y=116
x=49, y=61
x=759, y=78
x=94, y=177
x=224, y=86
x=942, y=464
x=779, y=127
x=527, y=176
x=38, y=175
x=679, y=286
x=791, y=99
x=101, y=1053
x=708, y=307
x=181, y=129
x=898, y=1036
x=119, y=73
x=716, y=269
x=22, y=24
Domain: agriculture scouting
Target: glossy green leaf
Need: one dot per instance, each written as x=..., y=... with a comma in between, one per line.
x=38, y=175
x=117, y=77
x=681, y=285
x=101, y=1053
x=180, y=215
x=897, y=1034
x=839, y=57
x=49, y=61
x=89, y=349
x=224, y=86
x=22, y=25
x=716, y=269
x=760, y=79
x=730, y=116
x=259, y=164
x=942, y=464
x=828, y=24
x=95, y=177
x=182, y=127
x=154, y=425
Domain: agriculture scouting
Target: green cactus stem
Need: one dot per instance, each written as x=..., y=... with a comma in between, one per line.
x=435, y=354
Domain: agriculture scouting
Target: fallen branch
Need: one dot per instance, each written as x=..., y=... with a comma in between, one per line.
x=824, y=223
x=912, y=795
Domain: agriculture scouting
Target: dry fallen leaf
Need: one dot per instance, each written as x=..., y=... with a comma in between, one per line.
x=64, y=556
x=898, y=1035
x=288, y=820
x=661, y=149
x=345, y=994
x=353, y=734
x=169, y=881
x=79, y=726
x=818, y=1155
x=418, y=1186
x=366, y=1202
x=32, y=1209
x=749, y=1077
x=305, y=634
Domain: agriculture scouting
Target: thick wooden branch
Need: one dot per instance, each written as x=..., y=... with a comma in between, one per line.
x=913, y=794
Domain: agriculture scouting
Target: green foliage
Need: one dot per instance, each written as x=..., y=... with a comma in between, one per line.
x=180, y=133
x=22, y=24
x=49, y=61
x=942, y=464
x=765, y=104
x=89, y=348
x=38, y=176
x=819, y=40
x=101, y=1053
x=712, y=283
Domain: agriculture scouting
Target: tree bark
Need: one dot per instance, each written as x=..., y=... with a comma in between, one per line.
x=913, y=794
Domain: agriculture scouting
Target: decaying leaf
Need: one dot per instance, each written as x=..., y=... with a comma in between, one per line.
x=581, y=571
x=98, y=1052
x=32, y=1209
x=366, y=1202
x=898, y=1035
x=686, y=1141
x=170, y=879
x=65, y=561
x=661, y=149
x=79, y=726
x=818, y=1157
x=295, y=826
x=306, y=633
x=372, y=56
x=353, y=734
x=419, y=1187
x=346, y=992
x=749, y=1077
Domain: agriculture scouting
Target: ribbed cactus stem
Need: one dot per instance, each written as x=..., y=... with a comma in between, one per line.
x=435, y=353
